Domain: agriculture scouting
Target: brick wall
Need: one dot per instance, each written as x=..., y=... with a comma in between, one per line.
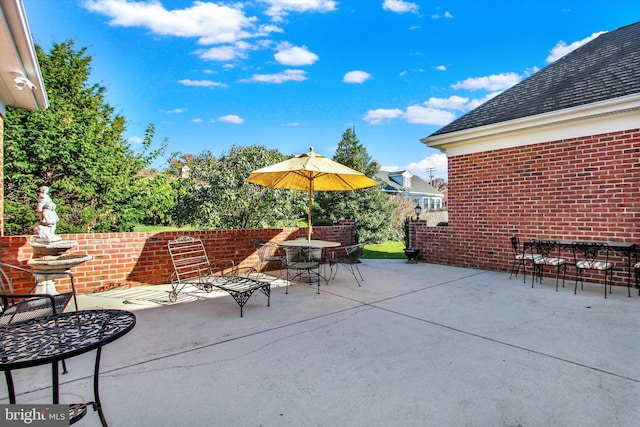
x=130, y=259
x=579, y=188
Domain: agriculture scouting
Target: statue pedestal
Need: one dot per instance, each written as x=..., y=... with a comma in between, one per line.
x=49, y=261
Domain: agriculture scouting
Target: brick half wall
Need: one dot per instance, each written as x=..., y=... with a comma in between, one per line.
x=131, y=259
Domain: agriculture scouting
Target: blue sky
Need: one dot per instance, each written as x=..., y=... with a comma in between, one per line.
x=290, y=74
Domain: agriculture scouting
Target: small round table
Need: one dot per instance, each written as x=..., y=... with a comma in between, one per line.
x=60, y=336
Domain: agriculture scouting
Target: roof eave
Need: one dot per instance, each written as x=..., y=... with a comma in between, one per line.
x=18, y=55
x=600, y=117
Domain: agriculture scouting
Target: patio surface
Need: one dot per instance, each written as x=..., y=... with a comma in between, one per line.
x=416, y=345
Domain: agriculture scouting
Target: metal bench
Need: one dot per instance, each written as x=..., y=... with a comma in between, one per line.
x=191, y=266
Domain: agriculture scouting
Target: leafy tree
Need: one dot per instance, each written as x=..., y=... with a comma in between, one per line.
x=76, y=148
x=370, y=208
x=216, y=195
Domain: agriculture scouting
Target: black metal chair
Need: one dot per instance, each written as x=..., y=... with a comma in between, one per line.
x=303, y=260
x=17, y=308
x=592, y=256
x=520, y=257
x=268, y=253
x=547, y=253
x=349, y=257
x=637, y=269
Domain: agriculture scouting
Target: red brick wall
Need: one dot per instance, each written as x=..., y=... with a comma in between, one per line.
x=142, y=258
x=579, y=188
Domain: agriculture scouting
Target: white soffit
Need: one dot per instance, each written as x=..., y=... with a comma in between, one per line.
x=612, y=115
x=17, y=55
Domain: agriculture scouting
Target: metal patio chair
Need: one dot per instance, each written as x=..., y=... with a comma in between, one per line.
x=547, y=253
x=592, y=256
x=268, y=253
x=301, y=260
x=349, y=257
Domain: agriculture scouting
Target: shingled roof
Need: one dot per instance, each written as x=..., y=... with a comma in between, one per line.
x=605, y=68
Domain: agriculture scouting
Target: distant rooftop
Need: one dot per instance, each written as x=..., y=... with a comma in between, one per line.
x=605, y=68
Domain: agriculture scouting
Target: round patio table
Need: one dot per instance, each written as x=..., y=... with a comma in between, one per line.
x=57, y=337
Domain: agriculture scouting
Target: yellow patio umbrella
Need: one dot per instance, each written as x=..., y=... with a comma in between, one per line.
x=310, y=172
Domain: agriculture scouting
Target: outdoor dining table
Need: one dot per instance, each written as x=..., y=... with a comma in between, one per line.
x=57, y=337
x=306, y=243
x=626, y=249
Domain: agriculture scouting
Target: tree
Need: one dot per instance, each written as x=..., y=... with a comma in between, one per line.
x=76, y=148
x=217, y=196
x=370, y=208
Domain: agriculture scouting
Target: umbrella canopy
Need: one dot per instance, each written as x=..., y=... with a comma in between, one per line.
x=310, y=172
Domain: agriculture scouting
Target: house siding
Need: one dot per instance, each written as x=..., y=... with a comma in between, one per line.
x=578, y=188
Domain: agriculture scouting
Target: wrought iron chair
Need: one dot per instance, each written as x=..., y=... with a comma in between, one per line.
x=592, y=256
x=520, y=257
x=547, y=253
x=303, y=260
x=349, y=257
x=268, y=253
x=17, y=308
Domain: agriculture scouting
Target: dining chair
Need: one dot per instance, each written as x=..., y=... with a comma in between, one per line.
x=547, y=253
x=592, y=256
x=268, y=252
x=637, y=269
x=17, y=308
x=349, y=257
x=301, y=260
x=520, y=257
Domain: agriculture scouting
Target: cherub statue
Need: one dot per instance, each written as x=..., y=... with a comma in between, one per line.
x=45, y=229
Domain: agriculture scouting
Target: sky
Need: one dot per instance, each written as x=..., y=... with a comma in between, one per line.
x=294, y=74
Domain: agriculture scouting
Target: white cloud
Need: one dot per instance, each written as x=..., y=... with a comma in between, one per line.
x=223, y=53
x=231, y=118
x=201, y=83
x=446, y=15
x=477, y=102
x=561, y=48
x=294, y=55
x=356, y=76
x=422, y=168
x=196, y=120
x=174, y=111
x=210, y=22
x=280, y=8
x=494, y=82
x=400, y=6
x=418, y=114
x=441, y=68
x=452, y=103
x=381, y=114
x=135, y=140
x=285, y=76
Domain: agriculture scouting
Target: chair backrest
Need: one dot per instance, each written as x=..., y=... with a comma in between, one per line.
x=303, y=254
x=590, y=252
x=267, y=251
x=546, y=248
x=515, y=244
x=189, y=258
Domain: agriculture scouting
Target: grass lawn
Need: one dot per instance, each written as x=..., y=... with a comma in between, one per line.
x=386, y=250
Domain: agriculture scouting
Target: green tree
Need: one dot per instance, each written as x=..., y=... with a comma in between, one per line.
x=76, y=148
x=370, y=208
x=216, y=195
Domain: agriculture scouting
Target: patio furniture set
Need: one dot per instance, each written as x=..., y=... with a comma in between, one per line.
x=585, y=255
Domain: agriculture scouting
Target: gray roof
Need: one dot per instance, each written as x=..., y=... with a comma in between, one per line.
x=605, y=68
x=418, y=185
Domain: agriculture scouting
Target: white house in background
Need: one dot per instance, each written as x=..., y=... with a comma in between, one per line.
x=408, y=186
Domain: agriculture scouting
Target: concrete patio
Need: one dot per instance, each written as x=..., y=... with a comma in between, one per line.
x=416, y=345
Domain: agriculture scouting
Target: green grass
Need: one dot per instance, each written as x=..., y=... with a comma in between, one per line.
x=386, y=250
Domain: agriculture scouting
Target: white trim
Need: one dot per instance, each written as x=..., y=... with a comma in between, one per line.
x=611, y=115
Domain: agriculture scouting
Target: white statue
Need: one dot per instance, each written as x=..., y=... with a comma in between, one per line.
x=45, y=229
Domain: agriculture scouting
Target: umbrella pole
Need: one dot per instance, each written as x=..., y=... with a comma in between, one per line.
x=309, y=211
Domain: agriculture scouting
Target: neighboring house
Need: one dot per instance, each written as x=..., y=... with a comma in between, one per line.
x=408, y=186
x=555, y=156
x=21, y=83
